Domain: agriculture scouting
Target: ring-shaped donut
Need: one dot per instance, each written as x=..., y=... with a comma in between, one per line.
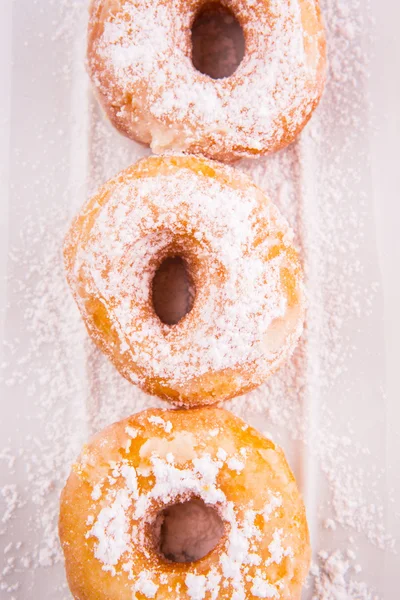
x=140, y=61
x=128, y=476
x=248, y=308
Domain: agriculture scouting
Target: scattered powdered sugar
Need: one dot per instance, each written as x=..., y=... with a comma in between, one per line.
x=62, y=389
x=9, y=496
x=274, y=503
x=196, y=586
x=111, y=530
x=167, y=425
x=146, y=585
x=263, y=589
x=222, y=454
x=131, y=432
x=276, y=549
x=131, y=479
x=172, y=481
x=336, y=579
x=200, y=587
x=235, y=464
x=96, y=493
x=140, y=61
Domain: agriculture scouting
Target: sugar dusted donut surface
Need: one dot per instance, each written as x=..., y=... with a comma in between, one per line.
x=248, y=303
x=140, y=61
x=131, y=472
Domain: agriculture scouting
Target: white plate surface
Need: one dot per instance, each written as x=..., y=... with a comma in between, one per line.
x=335, y=408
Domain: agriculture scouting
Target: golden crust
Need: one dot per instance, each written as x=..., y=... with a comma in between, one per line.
x=262, y=499
x=186, y=374
x=154, y=95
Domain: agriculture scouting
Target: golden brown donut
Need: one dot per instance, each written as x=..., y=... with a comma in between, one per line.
x=248, y=306
x=140, y=62
x=185, y=504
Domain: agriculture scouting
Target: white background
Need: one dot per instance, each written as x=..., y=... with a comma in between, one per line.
x=335, y=408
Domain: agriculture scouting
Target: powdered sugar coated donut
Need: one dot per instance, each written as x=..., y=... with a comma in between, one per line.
x=248, y=307
x=201, y=485
x=139, y=56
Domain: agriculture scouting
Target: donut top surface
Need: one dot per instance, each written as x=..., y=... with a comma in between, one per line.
x=136, y=468
x=238, y=249
x=140, y=59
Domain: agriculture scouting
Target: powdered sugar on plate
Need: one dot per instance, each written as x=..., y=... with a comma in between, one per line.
x=56, y=387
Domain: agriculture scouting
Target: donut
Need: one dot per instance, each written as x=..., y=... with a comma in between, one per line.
x=247, y=311
x=183, y=504
x=140, y=62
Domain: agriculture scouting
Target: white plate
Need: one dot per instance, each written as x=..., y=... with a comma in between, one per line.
x=335, y=407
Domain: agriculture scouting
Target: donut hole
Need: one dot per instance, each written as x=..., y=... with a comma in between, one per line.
x=218, y=43
x=172, y=290
x=188, y=531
